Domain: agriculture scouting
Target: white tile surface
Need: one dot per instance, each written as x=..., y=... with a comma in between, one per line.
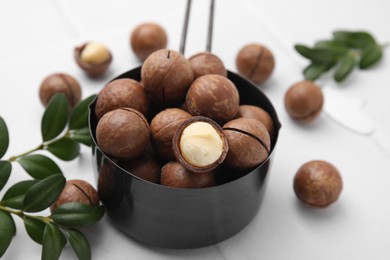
x=38, y=37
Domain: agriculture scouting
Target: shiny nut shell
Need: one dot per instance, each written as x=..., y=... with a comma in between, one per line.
x=318, y=183
x=255, y=62
x=173, y=174
x=166, y=76
x=77, y=191
x=144, y=167
x=147, y=38
x=213, y=96
x=163, y=127
x=123, y=133
x=249, y=143
x=176, y=144
x=60, y=83
x=255, y=112
x=122, y=93
x=204, y=63
x=304, y=101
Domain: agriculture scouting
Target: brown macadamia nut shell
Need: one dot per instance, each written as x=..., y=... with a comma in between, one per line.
x=92, y=70
x=60, y=83
x=147, y=38
x=213, y=96
x=255, y=62
x=173, y=174
x=204, y=63
x=166, y=76
x=122, y=93
x=144, y=167
x=123, y=133
x=77, y=191
x=249, y=143
x=255, y=112
x=318, y=183
x=163, y=127
x=304, y=101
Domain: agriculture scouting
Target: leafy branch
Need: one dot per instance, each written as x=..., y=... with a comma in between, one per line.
x=62, y=134
x=343, y=53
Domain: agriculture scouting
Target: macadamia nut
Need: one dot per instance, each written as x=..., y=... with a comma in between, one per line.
x=255, y=62
x=204, y=63
x=200, y=144
x=147, y=38
x=304, y=101
x=95, y=53
x=123, y=133
x=60, y=83
x=77, y=191
x=318, y=183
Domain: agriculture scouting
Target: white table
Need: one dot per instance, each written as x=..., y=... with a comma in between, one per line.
x=38, y=37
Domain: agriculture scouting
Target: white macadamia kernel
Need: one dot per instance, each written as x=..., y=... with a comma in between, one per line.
x=200, y=144
x=95, y=53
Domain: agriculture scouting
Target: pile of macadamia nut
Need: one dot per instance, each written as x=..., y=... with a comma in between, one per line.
x=184, y=116
x=182, y=125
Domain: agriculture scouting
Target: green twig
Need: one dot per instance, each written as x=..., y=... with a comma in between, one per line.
x=42, y=146
x=23, y=215
x=14, y=158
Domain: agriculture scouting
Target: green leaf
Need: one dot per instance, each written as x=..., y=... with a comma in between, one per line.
x=73, y=214
x=336, y=47
x=55, y=117
x=4, y=137
x=79, y=244
x=44, y=193
x=323, y=56
x=370, y=56
x=64, y=148
x=303, y=50
x=314, y=71
x=14, y=196
x=317, y=55
x=35, y=229
x=5, y=172
x=358, y=40
x=39, y=166
x=82, y=136
x=345, y=67
x=7, y=231
x=79, y=116
x=52, y=242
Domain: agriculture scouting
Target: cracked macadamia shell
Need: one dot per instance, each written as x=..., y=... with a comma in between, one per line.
x=60, y=83
x=122, y=93
x=304, y=101
x=213, y=96
x=199, y=144
x=123, y=133
x=92, y=69
x=255, y=112
x=147, y=38
x=249, y=143
x=163, y=127
x=77, y=191
x=204, y=63
x=173, y=174
x=255, y=62
x=166, y=76
x=318, y=183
